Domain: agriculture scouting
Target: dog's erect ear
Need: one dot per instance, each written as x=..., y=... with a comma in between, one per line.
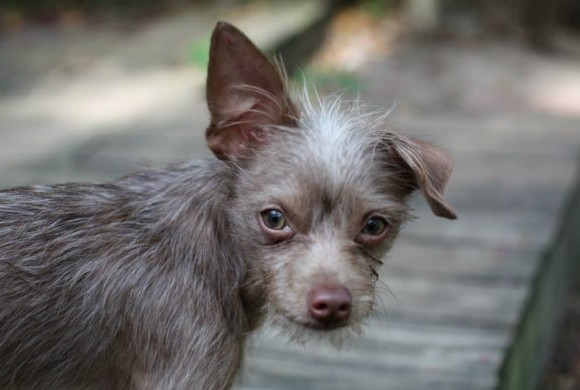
x=430, y=169
x=245, y=94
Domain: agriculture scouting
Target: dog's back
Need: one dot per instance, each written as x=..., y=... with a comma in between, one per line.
x=85, y=269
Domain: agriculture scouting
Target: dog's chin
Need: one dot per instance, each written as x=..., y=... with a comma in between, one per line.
x=322, y=327
x=307, y=333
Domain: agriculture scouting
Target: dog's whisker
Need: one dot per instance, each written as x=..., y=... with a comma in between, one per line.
x=385, y=287
x=380, y=313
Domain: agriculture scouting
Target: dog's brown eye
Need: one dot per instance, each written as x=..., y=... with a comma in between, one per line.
x=274, y=219
x=375, y=226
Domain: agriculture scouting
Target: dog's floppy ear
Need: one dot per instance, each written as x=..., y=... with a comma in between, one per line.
x=245, y=93
x=429, y=169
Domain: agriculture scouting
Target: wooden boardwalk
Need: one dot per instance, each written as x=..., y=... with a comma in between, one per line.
x=460, y=287
x=456, y=290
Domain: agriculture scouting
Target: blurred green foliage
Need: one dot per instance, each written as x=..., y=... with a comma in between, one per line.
x=328, y=80
x=379, y=8
x=198, y=52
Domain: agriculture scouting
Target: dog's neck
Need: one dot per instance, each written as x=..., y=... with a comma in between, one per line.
x=205, y=190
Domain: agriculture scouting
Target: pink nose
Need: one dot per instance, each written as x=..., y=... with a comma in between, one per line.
x=329, y=304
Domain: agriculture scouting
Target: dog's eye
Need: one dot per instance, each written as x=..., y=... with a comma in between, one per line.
x=375, y=226
x=274, y=219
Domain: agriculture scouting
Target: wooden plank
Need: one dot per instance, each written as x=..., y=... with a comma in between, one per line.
x=523, y=131
x=393, y=353
x=521, y=230
x=476, y=265
x=296, y=375
x=451, y=302
x=327, y=369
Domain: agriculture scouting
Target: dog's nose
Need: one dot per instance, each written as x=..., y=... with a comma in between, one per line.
x=329, y=304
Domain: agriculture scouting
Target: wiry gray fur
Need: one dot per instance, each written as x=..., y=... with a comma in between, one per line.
x=134, y=283
x=154, y=281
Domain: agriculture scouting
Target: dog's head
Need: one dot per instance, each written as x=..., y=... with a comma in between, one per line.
x=321, y=189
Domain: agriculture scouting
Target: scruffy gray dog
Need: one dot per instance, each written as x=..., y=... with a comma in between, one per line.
x=155, y=280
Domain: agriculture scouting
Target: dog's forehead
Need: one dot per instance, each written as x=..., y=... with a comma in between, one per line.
x=338, y=145
x=329, y=160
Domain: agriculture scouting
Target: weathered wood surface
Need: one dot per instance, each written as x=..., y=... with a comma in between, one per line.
x=456, y=289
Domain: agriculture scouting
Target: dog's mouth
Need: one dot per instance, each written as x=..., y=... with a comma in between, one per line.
x=326, y=326
x=303, y=329
x=320, y=326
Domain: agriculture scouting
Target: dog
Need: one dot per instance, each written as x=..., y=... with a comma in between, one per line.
x=154, y=281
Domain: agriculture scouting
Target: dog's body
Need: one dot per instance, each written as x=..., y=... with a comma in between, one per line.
x=154, y=281
x=114, y=285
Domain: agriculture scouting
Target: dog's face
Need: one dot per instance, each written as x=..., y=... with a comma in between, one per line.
x=321, y=191
x=322, y=211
